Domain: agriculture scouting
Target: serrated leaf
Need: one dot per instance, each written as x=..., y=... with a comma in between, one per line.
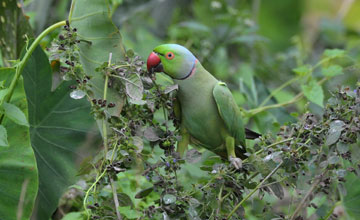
x=3, y=137
x=15, y=114
x=313, y=92
x=278, y=190
x=333, y=159
x=134, y=87
x=302, y=70
x=138, y=142
x=151, y=134
x=334, y=132
x=332, y=70
x=333, y=53
x=342, y=147
x=193, y=156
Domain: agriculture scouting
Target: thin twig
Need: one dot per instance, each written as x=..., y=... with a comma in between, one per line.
x=303, y=201
x=113, y=187
x=299, y=96
x=269, y=146
x=220, y=199
x=254, y=190
x=275, y=91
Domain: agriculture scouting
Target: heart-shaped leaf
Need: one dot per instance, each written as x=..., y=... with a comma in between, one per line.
x=58, y=127
x=18, y=172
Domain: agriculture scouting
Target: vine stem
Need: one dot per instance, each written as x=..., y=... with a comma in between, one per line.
x=88, y=191
x=20, y=66
x=113, y=187
x=254, y=190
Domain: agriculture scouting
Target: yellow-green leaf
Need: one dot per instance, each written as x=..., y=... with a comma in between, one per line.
x=313, y=92
x=332, y=70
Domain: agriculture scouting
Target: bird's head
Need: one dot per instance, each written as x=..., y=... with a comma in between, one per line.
x=172, y=59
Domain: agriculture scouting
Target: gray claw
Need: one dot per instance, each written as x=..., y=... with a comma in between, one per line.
x=236, y=162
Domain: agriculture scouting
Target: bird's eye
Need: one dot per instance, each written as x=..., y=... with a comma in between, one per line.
x=170, y=55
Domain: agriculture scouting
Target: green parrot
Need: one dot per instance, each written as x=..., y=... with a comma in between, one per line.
x=209, y=116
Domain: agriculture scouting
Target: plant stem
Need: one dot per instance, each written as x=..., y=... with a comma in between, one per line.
x=287, y=83
x=301, y=204
x=88, y=191
x=332, y=210
x=254, y=190
x=299, y=96
x=20, y=66
x=261, y=109
x=219, y=201
x=104, y=128
x=269, y=146
x=113, y=187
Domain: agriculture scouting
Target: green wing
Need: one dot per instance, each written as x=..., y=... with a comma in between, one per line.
x=229, y=112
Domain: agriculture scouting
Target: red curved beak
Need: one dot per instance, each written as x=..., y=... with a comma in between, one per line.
x=152, y=61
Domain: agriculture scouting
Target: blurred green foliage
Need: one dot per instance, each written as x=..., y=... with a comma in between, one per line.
x=254, y=46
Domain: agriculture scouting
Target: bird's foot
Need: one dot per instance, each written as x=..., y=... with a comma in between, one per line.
x=236, y=162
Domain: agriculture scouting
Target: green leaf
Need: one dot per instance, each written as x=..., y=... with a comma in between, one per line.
x=351, y=199
x=73, y=216
x=302, y=70
x=3, y=93
x=93, y=23
x=58, y=127
x=134, y=87
x=18, y=170
x=334, y=53
x=124, y=200
x=3, y=137
x=13, y=28
x=15, y=114
x=332, y=70
x=193, y=156
x=129, y=212
x=143, y=193
x=334, y=132
x=313, y=92
x=277, y=190
x=169, y=198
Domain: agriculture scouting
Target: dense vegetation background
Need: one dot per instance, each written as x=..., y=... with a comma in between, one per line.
x=292, y=66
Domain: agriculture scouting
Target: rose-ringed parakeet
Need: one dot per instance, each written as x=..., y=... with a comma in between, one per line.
x=209, y=115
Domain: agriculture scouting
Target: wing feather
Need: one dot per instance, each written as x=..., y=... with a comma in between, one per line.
x=229, y=112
